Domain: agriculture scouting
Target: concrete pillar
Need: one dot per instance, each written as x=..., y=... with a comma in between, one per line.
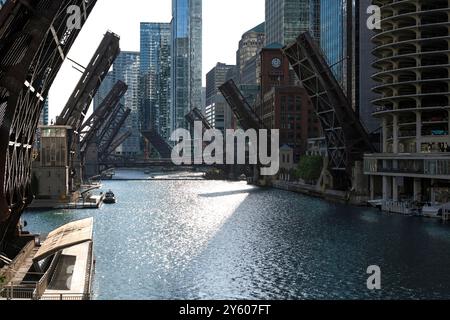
x=372, y=187
x=395, y=129
x=387, y=188
x=395, y=189
x=433, y=193
x=417, y=190
x=385, y=135
x=418, y=132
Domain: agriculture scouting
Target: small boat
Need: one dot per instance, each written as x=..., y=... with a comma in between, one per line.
x=378, y=204
x=431, y=210
x=110, y=198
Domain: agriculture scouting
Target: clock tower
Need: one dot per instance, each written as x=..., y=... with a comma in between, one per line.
x=274, y=68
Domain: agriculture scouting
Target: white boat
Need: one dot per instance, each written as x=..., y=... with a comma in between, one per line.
x=376, y=203
x=434, y=210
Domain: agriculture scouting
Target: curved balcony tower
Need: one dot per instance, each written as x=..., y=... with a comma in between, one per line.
x=413, y=64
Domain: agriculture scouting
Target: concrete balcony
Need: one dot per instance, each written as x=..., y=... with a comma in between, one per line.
x=418, y=165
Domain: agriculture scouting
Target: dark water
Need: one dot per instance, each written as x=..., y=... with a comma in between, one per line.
x=221, y=240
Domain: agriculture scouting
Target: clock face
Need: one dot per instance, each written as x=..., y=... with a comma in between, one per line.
x=276, y=63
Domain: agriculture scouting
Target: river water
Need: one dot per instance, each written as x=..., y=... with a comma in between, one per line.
x=228, y=240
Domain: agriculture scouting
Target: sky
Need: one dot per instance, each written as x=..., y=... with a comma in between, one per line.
x=224, y=22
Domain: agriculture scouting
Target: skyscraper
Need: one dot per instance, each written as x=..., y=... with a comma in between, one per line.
x=251, y=43
x=186, y=70
x=43, y=120
x=126, y=68
x=413, y=104
x=345, y=41
x=104, y=89
x=155, y=66
x=214, y=79
x=286, y=19
x=333, y=36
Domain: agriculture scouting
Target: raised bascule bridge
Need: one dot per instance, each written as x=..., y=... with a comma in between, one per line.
x=96, y=144
x=77, y=107
x=346, y=137
x=34, y=42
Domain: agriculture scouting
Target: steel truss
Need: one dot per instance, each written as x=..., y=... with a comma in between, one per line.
x=197, y=115
x=159, y=143
x=34, y=41
x=247, y=118
x=111, y=130
x=345, y=135
x=92, y=126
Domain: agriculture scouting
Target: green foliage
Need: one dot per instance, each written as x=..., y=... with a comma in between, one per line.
x=309, y=168
x=2, y=281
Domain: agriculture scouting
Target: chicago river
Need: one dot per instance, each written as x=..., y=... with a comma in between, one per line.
x=227, y=240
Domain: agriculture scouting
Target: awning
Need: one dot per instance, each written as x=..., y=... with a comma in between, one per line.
x=67, y=236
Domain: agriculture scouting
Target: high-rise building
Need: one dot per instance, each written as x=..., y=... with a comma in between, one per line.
x=250, y=44
x=43, y=120
x=155, y=66
x=286, y=19
x=214, y=79
x=215, y=102
x=412, y=56
x=345, y=41
x=126, y=68
x=104, y=89
x=186, y=70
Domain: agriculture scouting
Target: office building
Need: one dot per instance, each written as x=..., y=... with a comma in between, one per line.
x=286, y=19
x=186, y=71
x=126, y=68
x=155, y=66
x=250, y=44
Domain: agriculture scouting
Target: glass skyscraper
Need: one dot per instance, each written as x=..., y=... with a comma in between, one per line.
x=186, y=73
x=286, y=19
x=333, y=17
x=126, y=68
x=155, y=66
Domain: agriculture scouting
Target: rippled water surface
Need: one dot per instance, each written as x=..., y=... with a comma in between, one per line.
x=223, y=240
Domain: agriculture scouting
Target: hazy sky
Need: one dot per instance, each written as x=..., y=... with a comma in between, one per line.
x=224, y=22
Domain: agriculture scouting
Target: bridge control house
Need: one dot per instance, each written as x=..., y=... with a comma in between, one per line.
x=51, y=173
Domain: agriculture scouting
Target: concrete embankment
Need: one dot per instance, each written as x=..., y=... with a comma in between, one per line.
x=329, y=195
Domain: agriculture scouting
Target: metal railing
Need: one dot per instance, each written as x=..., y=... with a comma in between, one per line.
x=24, y=293
x=11, y=270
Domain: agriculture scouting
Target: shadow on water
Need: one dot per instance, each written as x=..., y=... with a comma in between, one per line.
x=229, y=193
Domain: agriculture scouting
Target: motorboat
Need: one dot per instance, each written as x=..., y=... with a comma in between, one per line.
x=434, y=210
x=110, y=198
x=376, y=203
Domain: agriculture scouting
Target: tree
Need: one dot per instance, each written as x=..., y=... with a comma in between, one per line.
x=310, y=168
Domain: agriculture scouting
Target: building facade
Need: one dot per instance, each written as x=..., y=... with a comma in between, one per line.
x=154, y=77
x=249, y=46
x=286, y=19
x=214, y=79
x=126, y=68
x=284, y=106
x=186, y=71
x=412, y=57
